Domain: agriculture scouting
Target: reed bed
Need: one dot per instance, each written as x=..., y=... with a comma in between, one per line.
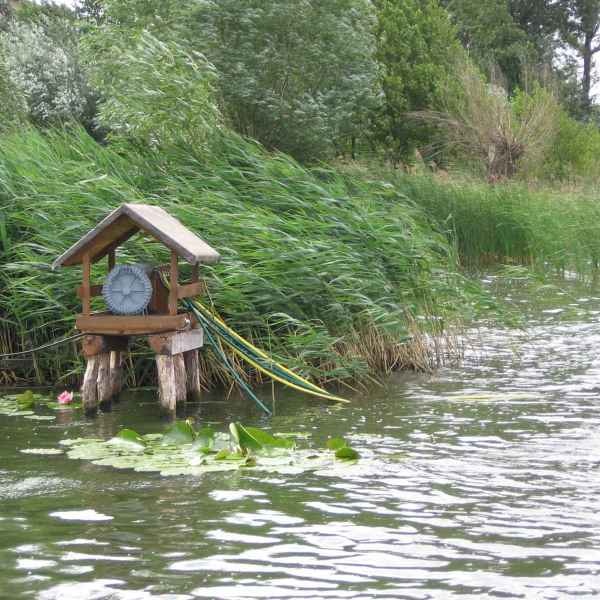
x=339, y=277
x=512, y=223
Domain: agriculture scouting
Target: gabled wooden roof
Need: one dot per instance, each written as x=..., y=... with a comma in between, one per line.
x=125, y=222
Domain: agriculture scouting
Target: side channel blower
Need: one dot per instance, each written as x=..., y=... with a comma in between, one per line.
x=128, y=289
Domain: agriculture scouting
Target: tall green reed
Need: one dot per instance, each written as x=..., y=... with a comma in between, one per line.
x=331, y=273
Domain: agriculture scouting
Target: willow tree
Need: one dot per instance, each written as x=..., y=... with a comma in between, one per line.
x=297, y=76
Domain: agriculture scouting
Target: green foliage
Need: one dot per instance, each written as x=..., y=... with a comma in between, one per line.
x=418, y=50
x=326, y=272
x=493, y=37
x=129, y=437
x=297, y=76
x=180, y=432
x=511, y=223
x=153, y=91
x=336, y=443
x=347, y=453
x=13, y=106
x=575, y=153
x=41, y=49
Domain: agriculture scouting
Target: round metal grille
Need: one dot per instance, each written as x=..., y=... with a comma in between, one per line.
x=127, y=290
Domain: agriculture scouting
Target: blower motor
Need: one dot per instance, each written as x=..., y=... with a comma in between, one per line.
x=128, y=289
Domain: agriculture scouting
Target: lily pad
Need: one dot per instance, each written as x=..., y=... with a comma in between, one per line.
x=128, y=436
x=336, y=443
x=181, y=432
x=346, y=453
x=47, y=451
x=26, y=399
x=251, y=438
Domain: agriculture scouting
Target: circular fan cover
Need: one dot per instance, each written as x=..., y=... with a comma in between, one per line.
x=127, y=290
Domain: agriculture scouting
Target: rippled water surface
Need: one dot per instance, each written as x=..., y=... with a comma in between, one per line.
x=480, y=481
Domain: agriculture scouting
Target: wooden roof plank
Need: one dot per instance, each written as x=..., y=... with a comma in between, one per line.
x=127, y=220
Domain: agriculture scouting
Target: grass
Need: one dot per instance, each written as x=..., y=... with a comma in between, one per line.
x=332, y=273
x=512, y=223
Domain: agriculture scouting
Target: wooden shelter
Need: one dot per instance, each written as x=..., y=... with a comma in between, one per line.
x=174, y=336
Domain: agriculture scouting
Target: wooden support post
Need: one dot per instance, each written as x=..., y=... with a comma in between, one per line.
x=111, y=260
x=167, y=391
x=195, y=273
x=103, y=379
x=89, y=388
x=116, y=373
x=192, y=369
x=85, y=285
x=174, y=283
x=180, y=378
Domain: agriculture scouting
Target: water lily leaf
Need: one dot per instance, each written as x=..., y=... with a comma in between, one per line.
x=228, y=455
x=205, y=438
x=58, y=406
x=346, y=453
x=128, y=436
x=266, y=439
x=48, y=451
x=26, y=399
x=41, y=417
x=242, y=438
x=336, y=443
x=181, y=432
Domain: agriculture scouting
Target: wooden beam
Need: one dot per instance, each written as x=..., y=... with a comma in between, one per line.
x=195, y=273
x=176, y=343
x=159, y=302
x=106, y=324
x=85, y=285
x=190, y=290
x=91, y=345
x=111, y=259
x=95, y=290
x=174, y=283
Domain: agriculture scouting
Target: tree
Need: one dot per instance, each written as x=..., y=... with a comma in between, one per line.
x=13, y=107
x=417, y=47
x=298, y=76
x=581, y=29
x=152, y=91
x=41, y=45
x=493, y=39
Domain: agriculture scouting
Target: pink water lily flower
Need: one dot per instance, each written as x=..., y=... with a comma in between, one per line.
x=65, y=397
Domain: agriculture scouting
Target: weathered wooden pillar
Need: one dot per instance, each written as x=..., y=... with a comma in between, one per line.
x=89, y=388
x=98, y=384
x=116, y=372
x=104, y=387
x=192, y=369
x=180, y=378
x=171, y=349
x=167, y=390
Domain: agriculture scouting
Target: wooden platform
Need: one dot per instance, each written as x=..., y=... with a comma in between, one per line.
x=107, y=324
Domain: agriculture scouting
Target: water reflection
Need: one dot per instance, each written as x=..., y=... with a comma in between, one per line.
x=479, y=481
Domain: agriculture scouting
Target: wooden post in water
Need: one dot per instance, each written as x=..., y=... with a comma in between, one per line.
x=99, y=382
x=174, y=370
x=116, y=373
x=89, y=387
x=167, y=390
x=103, y=379
x=192, y=369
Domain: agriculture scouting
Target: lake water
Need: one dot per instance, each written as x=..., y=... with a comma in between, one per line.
x=482, y=480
